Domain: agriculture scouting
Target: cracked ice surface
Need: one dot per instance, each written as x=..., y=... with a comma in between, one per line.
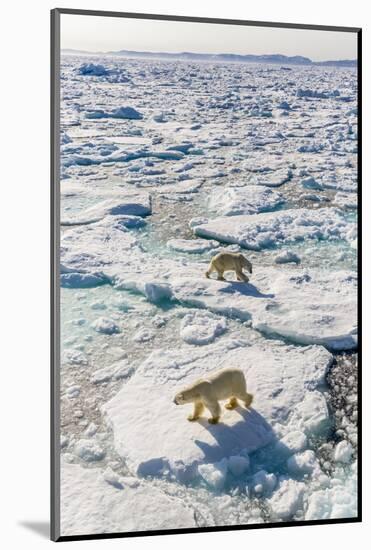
x=163, y=165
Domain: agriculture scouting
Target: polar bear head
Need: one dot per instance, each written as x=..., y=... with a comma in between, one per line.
x=245, y=263
x=183, y=397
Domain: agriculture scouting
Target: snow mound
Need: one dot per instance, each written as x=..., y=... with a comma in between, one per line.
x=251, y=199
x=260, y=231
x=92, y=504
x=200, y=328
x=279, y=385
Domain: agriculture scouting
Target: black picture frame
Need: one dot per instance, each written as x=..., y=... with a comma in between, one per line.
x=55, y=272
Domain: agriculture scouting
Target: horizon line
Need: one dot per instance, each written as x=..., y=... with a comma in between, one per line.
x=174, y=54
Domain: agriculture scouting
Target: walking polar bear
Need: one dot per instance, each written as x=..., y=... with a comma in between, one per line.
x=207, y=392
x=229, y=261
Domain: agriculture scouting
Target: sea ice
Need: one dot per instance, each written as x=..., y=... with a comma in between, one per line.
x=287, y=499
x=263, y=483
x=303, y=463
x=132, y=204
x=192, y=246
x=286, y=257
x=214, y=474
x=260, y=231
x=91, y=505
x=105, y=326
x=201, y=327
x=91, y=69
x=238, y=465
x=279, y=385
x=343, y=452
x=89, y=450
x=121, y=112
x=249, y=199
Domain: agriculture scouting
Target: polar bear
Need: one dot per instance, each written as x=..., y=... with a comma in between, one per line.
x=229, y=261
x=207, y=392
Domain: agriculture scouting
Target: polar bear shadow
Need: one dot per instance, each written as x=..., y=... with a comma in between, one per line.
x=250, y=431
x=246, y=289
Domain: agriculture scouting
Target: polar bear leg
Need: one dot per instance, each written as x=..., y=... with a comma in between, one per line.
x=241, y=276
x=209, y=271
x=232, y=403
x=246, y=398
x=220, y=275
x=199, y=407
x=215, y=410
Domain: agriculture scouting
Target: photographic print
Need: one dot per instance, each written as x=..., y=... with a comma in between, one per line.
x=205, y=198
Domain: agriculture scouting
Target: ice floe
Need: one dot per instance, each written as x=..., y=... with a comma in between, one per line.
x=92, y=504
x=130, y=204
x=201, y=328
x=249, y=199
x=192, y=246
x=182, y=447
x=270, y=229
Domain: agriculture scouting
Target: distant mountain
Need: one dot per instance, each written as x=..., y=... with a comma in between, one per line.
x=223, y=57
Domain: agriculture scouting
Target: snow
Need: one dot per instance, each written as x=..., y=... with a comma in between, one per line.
x=152, y=152
x=238, y=465
x=116, y=371
x=89, y=450
x=343, y=452
x=214, y=474
x=303, y=463
x=105, y=326
x=192, y=246
x=287, y=257
x=270, y=299
x=311, y=414
x=180, y=446
x=273, y=179
x=92, y=504
x=292, y=442
x=287, y=499
x=266, y=230
x=91, y=69
x=201, y=328
x=346, y=200
x=120, y=112
x=338, y=500
x=263, y=483
x=132, y=204
x=251, y=199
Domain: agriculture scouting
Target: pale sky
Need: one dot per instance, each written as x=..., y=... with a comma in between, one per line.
x=94, y=33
